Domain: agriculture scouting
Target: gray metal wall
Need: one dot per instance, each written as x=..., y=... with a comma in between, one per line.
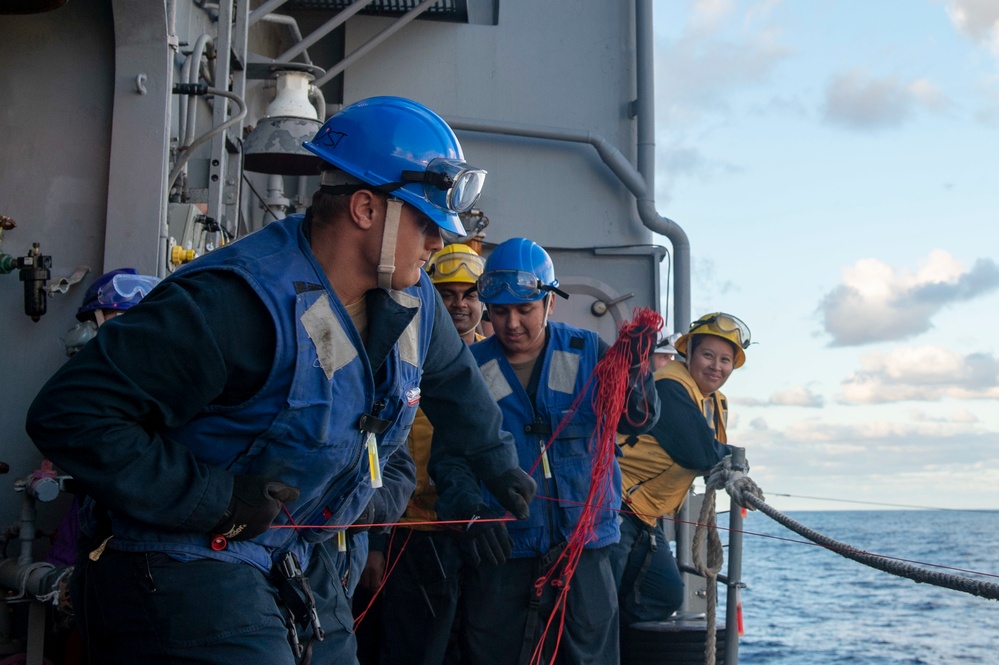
x=55, y=134
x=559, y=64
x=73, y=120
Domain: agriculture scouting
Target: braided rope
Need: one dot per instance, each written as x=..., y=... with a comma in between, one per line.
x=706, y=524
x=739, y=486
x=745, y=493
x=920, y=575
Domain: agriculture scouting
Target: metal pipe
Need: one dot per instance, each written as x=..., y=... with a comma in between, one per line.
x=645, y=106
x=263, y=10
x=26, y=579
x=646, y=119
x=302, y=198
x=182, y=160
x=396, y=25
x=318, y=101
x=631, y=178
x=610, y=155
x=296, y=32
x=171, y=11
x=190, y=73
x=734, y=581
x=26, y=528
x=181, y=163
x=323, y=30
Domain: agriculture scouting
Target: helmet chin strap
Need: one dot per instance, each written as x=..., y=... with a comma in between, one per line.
x=390, y=235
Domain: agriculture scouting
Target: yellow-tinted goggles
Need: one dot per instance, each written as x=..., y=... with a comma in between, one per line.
x=453, y=263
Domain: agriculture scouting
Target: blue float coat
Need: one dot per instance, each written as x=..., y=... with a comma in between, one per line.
x=154, y=416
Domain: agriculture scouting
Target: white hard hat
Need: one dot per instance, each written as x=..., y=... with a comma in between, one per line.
x=666, y=344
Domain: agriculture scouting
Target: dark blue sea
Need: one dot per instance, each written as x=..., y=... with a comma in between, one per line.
x=807, y=605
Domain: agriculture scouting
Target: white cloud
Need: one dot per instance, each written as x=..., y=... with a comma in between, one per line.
x=724, y=48
x=761, y=10
x=713, y=57
x=926, y=373
x=961, y=415
x=978, y=19
x=796, y=396
x=857, y=100
x=877, y=303
x=707, y=14
x=928, y=95
x=710, y=285
x=817, y=447
x=676, y=159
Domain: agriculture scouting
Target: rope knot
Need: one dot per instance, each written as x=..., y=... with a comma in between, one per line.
x=733, y=478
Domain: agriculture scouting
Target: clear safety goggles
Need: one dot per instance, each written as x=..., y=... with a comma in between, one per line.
x=125, y=288
x=726, y=323
x=452, y=264
x=523, y=285
x=449, y=184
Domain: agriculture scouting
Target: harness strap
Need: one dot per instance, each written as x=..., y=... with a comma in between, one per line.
x=653, y=547
x=296, y=593
x=390, y=234
x=541, y=566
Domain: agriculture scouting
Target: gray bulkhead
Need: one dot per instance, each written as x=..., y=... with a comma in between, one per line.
x=89, y=127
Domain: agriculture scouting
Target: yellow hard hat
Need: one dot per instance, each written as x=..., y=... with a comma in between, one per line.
x=722, y=325
x=455, y=263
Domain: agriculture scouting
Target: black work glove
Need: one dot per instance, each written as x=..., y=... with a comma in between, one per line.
x=514, y=489
x=642, y=340
x=255, y=502
x=485, y=542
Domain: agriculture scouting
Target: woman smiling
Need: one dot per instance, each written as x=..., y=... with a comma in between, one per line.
x=658, y=468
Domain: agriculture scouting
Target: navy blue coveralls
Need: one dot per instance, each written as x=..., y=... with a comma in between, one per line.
x=504, y=618
x=156, y=415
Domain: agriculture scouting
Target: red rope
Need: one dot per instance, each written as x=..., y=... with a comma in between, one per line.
x=632, y=347
x=391, y=561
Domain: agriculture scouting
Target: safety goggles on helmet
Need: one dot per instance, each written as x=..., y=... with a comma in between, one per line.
x=454, y=263
x=125, y=290
x=522, y=285
x=725, y=323
x=449, y=184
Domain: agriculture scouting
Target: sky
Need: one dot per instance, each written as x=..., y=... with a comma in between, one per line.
x=835, y=165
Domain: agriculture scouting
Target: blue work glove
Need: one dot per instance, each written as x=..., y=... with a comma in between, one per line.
x=485, y=542
x=255, y=502
x=515, y=490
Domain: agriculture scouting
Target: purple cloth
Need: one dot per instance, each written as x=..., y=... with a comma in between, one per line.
x=63, y=549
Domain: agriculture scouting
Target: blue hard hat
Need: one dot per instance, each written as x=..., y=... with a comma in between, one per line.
x=517, y=271
x=402, y=147
x=118, y=289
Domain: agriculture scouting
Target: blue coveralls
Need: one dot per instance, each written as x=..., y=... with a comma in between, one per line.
x=505, y=618
x=162, y=463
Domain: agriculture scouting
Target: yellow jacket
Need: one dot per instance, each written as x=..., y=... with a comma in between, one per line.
x=422, y=504
x=653, y=484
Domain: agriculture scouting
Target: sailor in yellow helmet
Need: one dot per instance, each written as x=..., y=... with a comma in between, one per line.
x=658, y=468
x=454, y=271
x=420, y=597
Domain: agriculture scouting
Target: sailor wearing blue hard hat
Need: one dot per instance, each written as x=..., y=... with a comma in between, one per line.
x=539, y=371
x=110, y=295
x=360, y=146
x=234, y=429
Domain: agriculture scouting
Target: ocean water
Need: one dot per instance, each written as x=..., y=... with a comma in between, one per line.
x=807, y=605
